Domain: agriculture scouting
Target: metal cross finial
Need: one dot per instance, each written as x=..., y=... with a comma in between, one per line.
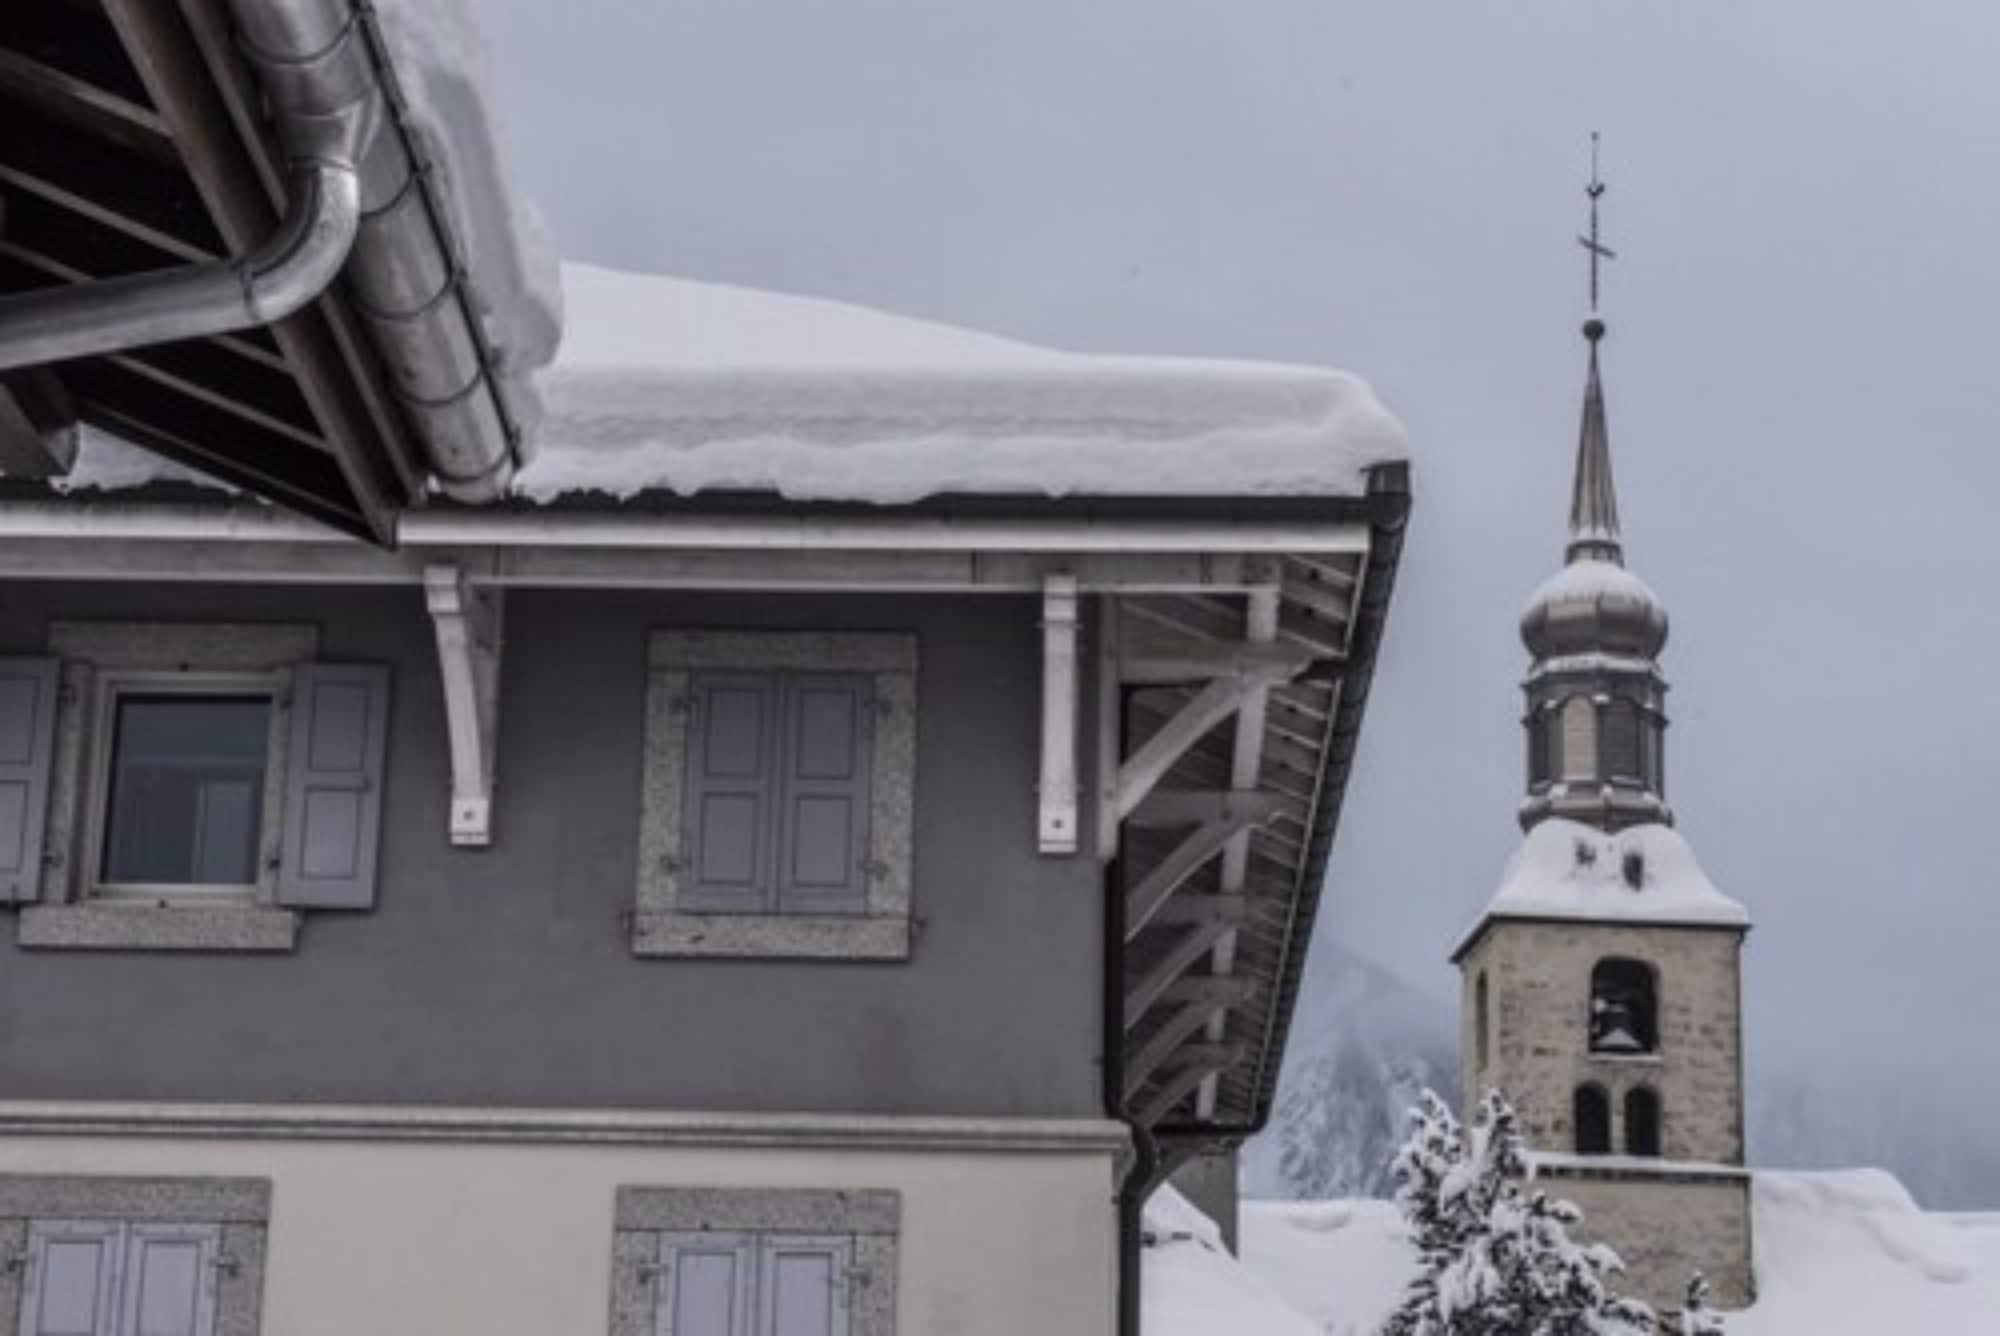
x=1598, y=250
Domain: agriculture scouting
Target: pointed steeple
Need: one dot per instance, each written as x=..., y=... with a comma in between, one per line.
x=1596, y=715
x=1593, y=505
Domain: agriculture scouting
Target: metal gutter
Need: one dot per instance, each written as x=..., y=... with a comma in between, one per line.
x=79, y=518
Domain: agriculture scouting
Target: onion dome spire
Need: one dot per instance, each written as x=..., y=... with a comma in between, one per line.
x=1596, y=718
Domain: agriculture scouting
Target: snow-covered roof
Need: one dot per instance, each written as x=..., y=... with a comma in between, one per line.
x=671, y=385
x=666, y=384
x=1643, y=874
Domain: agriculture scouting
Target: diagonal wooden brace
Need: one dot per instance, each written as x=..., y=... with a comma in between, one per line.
x=1192, y=946
x=1194, y=1064
x=1162, y=1044
x=1185, y=859
x=1224, y=696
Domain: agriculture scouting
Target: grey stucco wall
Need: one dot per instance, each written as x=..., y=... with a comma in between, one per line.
x=505, y=976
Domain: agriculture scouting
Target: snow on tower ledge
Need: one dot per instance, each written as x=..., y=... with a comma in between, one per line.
x=665, y=384
x=1642, y=874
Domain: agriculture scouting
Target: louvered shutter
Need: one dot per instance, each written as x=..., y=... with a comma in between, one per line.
x=333, y=786
x=731, y=792
x=169, y=1280
x=706, y=1285
x=804, y=1283
x=71, y=1288
x=27, y=732
x=823, y=833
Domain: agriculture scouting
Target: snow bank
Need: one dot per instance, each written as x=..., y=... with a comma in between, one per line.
x=1841, y=1254
x=1566, y=870
x=1193, y=1287
x=1341, y=1263
x=666, y=384
x=444, y=71
x=1837, y=1254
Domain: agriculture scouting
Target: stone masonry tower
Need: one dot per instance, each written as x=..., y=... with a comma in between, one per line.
x=1601, y=984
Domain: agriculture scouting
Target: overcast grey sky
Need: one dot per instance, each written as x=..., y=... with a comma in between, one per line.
x=1805, y=196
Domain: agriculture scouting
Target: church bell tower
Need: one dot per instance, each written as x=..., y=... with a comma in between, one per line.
x=1601, y=984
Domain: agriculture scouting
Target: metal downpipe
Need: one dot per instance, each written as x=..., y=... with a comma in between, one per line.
x=113, y=315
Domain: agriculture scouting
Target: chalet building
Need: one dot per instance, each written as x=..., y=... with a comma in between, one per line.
x=1602, y=985
x=785, y=821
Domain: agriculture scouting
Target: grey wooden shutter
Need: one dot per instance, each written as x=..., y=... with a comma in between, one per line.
x=28, y=690
x=706, y=1285
x=823, y=833
x=71, y=1287
x=169, y=1280
x=333, y=786
x=730, y=792
x=804, y=1285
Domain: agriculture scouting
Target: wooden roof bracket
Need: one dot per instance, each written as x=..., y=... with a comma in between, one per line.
x=1056, y=798
x=468, y=622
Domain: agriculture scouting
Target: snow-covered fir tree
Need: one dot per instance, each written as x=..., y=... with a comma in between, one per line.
x=1697, y=1318
x=1495, y=1259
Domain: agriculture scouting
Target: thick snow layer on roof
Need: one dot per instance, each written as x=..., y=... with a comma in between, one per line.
x=665, y=384
x=1566, y=870
x=1588, y=580
x=440, y=61
x=1193, y=1287
x=1836, y=1254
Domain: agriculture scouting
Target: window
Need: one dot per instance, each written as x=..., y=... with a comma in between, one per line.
x=1540, y=768
x=777, y=795
x=1623, y=1010
x=132, y=1256
x=181, y=770
x=1579, y=739
x=1593, y=1120
x=188, y=786
x=1642, y=1121
x=1621, y=724
x=754, y=1262
x=1481, y=1020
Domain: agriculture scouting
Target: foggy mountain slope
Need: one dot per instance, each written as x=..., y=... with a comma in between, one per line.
x=1366, y=1042
x=1363, y=1045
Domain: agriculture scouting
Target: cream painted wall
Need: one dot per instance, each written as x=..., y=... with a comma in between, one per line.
x=514, y=1239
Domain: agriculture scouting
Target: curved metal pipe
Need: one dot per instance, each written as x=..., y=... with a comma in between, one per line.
x=302, y=257
x=357, y=202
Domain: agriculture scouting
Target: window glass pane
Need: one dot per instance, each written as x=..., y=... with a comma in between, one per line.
x=187, y=785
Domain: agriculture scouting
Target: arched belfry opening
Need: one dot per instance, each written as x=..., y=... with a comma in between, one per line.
x=1624, y=1007
x=1592, y=1118
x=1642, y=1121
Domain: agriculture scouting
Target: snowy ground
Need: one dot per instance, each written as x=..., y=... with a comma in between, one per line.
x=1838, y=1254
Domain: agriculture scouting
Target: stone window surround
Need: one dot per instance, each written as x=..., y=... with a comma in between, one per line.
x=95, y=655
x=660, y=927
x=240, y=1206
x=871, y=1216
